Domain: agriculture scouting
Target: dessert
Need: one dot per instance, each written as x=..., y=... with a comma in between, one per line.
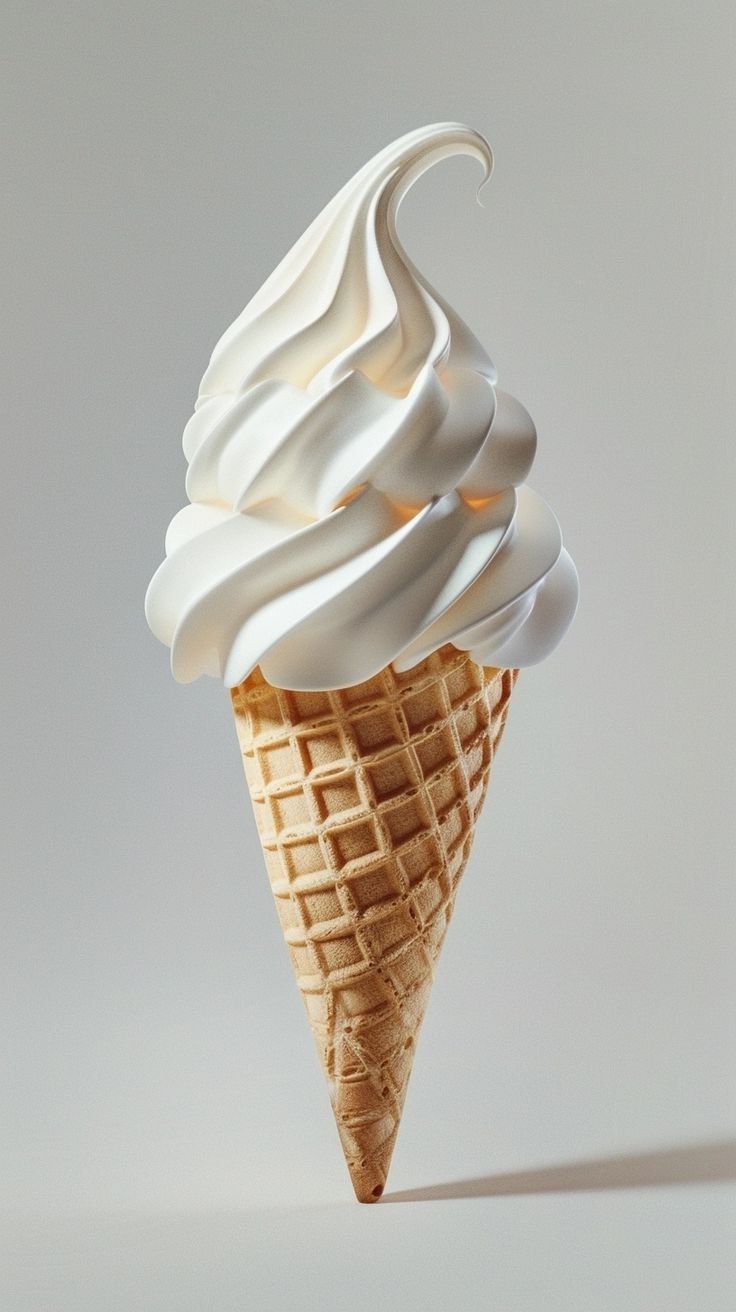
x=364, y=566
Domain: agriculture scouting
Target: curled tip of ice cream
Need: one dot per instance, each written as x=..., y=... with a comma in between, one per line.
x=353, y=469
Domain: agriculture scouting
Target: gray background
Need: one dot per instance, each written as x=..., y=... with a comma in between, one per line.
x=167, y=1136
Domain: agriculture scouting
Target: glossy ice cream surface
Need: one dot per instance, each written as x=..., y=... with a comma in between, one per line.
x=356, y=478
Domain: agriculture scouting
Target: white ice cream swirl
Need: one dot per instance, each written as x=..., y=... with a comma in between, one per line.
x=355, y=477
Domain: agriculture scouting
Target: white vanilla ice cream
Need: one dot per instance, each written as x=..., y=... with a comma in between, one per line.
x=356, y=479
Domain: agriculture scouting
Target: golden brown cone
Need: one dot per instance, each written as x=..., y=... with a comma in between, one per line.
x=366, y=801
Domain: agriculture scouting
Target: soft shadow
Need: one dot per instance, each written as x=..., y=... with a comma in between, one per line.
x=695, y=1164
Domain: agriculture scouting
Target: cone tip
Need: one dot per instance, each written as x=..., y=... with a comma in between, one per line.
x=366, y=1190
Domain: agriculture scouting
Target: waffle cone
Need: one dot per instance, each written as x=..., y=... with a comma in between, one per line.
x=366, y=800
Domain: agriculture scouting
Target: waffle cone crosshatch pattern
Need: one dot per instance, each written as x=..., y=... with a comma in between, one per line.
x=366, y=800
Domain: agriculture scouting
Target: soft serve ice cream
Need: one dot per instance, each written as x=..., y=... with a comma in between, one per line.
x=356, y=479
x=358, y=503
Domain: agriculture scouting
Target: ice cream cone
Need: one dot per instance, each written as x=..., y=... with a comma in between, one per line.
x=366, y=801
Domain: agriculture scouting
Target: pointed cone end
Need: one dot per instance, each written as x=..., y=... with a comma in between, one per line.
x=370, y=1172
x=368, y=1182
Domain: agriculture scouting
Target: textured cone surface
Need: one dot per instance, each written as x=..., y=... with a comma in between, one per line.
x=366, y=800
